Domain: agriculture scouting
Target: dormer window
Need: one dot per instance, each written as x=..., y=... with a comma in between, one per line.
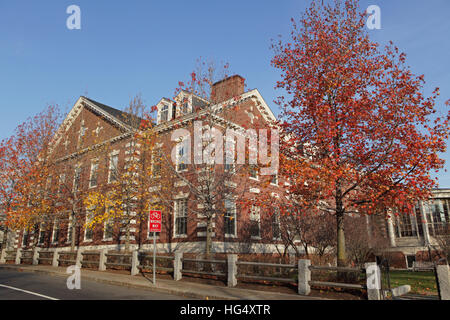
x=164, y=113
x=185, y=108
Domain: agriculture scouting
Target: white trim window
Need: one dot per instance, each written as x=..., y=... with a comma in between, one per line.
x=274, y=179
x=180, y=225
x=93, y=177
x=62, y=180
x=113, y=173
x=253, y=171
x=230, y=218
x=41, y=238
x=255, y=222
x=56, y=231
x=181, y=156
x=25, y=237
x=88, y=232
x=108, y=229
x=164, y=113
x=77, y=178
x=276, y=224
x=156, y=162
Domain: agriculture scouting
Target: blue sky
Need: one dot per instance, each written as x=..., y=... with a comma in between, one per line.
x=130, y=47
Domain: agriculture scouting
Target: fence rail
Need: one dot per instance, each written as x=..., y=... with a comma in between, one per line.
x=337, y=284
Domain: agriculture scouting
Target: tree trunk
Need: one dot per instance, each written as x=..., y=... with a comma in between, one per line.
x=73, y=227
x=208, y=237
x=341, y=256
x=127, y=238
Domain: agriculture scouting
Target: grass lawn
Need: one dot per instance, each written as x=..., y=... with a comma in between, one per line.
x=421, y=282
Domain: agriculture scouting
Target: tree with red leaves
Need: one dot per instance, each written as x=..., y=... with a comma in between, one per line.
x=368, y=136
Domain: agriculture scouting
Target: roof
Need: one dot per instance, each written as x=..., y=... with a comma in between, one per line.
x=125, y=117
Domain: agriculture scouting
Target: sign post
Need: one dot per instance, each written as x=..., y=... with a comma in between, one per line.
x=154, y=225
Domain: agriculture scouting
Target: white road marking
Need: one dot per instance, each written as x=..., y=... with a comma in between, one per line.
x=29, y=292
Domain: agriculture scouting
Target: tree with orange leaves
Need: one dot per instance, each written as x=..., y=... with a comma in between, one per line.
x=25, y=189
x=367, y=135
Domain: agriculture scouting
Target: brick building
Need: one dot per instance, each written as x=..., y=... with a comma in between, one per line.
x=91, y=125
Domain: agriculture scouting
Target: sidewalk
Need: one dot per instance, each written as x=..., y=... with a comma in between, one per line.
x=186, y=289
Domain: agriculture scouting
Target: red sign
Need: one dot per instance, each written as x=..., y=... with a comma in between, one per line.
x=154, y=221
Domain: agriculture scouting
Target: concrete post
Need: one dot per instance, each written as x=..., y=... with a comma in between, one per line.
x=18, y=255
x=55, y=261
x=373, y=281
x=177, y=266
x=444, y=281
x=102, y=260
x=134, y=263
x=304, y=277
x=3, y=256
x=426, y=231
x=79, y=258
x=391, y=233
x=36, y=255
x=232, y=269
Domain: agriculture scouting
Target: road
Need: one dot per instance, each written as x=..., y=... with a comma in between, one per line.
x=15, y=285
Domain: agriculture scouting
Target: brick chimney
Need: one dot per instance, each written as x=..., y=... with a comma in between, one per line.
x=227, y=88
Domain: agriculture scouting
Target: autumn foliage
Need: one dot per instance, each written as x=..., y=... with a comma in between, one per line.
x=360, y=136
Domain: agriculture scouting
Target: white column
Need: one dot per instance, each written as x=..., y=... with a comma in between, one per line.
x=426, y=231
x=369, y=230
x=391, y=233
x=55, y=261
x=304, y=277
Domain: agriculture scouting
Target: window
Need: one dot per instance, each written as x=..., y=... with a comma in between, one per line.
x=230, y=218
x=164, y=113
x=41, y=234
x=185, y=108
x=25, y=237
x=108, y=229
x=88, y=232
x=94, y=173
x=253, y=171
x=274, y=179
x=113, y=168
x=62, y=180
x=255, y=222
x=56, y=231
x=276, y=232
x=156, y=162
x=181, y=217
x=77, y=178
x=181, y=157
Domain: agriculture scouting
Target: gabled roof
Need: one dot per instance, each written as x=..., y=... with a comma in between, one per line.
x=128, y=119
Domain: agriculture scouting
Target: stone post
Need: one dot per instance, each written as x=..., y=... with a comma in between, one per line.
x=426, y=231
x=444, y=281
x=36, y=255
x=55, y=261
x=304, y=277
x=373, y=281
x=18, y=255
x=232, y=269
x=134, y=263
x=391, y=233
x=177, y=266
x=79, y=257
x=102, y=260
x=3, y=256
